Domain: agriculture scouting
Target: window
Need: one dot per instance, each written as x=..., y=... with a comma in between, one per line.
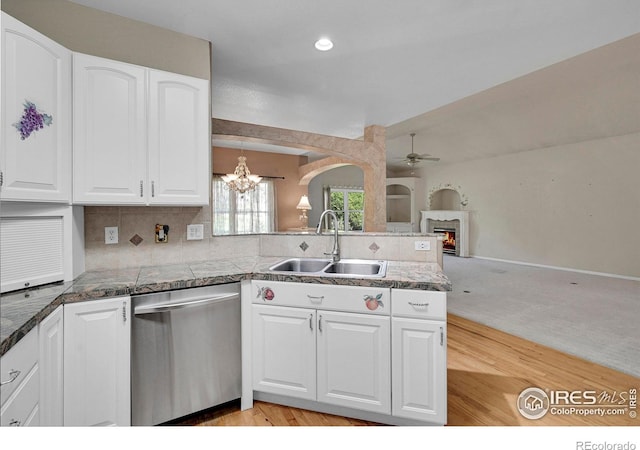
x=348, y=205
x=251, y=212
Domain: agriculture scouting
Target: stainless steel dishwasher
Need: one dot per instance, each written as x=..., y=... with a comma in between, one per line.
x=185, y=354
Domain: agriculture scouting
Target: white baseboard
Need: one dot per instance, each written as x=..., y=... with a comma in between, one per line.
x=567, y=269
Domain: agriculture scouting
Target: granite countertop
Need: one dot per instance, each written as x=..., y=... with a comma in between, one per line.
x=21, y=311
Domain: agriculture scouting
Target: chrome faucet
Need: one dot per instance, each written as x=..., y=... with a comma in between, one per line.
x=335, y=251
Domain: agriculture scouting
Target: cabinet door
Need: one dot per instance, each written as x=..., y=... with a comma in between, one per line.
x=109, y=131
x=51, y=335
x=179, y=143
x=37, y=71
x=19, y=391
x=284, y=351
x=419, y=370
x=354, y=361
x=97, y=363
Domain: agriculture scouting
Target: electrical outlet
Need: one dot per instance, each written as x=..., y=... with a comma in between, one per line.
x=195, y=232
x=110, y=235
x=423, y=245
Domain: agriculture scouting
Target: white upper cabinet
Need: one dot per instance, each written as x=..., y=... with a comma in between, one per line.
x=35, y=156
x=178, y=139
x=141, y=136
x=109, y=134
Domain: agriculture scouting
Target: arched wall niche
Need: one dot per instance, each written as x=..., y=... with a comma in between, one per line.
x=447, y=198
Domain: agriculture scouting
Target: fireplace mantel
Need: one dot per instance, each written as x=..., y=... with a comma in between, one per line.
x=462, y=216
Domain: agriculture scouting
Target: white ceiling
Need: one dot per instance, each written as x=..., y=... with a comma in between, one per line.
x=404, y=64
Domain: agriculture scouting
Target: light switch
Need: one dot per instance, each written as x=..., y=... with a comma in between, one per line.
x=195, y=232
x=422, y=245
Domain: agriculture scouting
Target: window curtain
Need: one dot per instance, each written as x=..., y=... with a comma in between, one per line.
x=251, y=212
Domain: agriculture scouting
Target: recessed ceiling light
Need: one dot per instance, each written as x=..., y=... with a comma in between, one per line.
x=324, y=44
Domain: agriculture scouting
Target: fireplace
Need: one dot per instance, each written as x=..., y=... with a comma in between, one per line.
x=448, y=239
x=458, y=221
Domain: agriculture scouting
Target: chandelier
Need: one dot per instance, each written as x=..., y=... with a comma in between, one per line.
x=241, y=180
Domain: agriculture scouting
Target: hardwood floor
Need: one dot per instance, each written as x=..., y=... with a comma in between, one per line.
x=487, y=370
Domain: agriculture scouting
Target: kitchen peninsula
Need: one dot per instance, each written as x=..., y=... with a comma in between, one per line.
x=38, y=311
x=22, y=310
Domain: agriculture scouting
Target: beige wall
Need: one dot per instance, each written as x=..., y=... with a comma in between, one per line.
x=288, y=191
x=575, y=206
x=87, y=30
x=141, y=221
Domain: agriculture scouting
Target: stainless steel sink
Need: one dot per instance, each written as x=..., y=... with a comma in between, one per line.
x=357, y=267
x=324, y=267
x=304, y=265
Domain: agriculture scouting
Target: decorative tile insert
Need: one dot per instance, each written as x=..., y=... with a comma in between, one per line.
x=304, y=246
x=136, y=240
x=374, y=247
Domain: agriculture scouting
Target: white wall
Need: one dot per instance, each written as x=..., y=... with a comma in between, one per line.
x=575, y=206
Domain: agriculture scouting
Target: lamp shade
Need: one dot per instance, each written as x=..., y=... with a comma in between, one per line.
x=304, y=203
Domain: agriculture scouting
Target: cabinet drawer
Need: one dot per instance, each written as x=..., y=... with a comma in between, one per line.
x=366, y=300
x=423, y=304
x=21, y=409
x=21, y=358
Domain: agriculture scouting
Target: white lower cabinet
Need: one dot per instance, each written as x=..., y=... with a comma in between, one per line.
x=19, y=391
x=417, y=370
x=419, y=355
x=51, y=337
x=97, y=337
x=284, y=351
x=374, y=350
x=354, y=361
x=308, y=352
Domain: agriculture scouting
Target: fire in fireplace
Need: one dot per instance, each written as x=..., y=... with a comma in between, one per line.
x=448, y=240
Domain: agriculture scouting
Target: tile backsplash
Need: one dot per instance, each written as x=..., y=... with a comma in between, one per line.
x=137, y=224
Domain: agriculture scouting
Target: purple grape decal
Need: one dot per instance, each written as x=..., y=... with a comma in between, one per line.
x=31, y=120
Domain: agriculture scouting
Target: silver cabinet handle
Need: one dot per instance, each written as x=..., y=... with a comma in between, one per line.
x=141, y=189
x=311, y=322
x=320, y=324
x=15, y=423
x=441, y=337
x=13, y=374
x=153, y=188
x=124, y=312
x=418, y=304
x=315, y=299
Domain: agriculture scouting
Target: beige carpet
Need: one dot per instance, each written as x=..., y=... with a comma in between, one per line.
x=594, y=317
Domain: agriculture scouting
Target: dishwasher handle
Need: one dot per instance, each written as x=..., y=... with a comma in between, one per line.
x=195, y=301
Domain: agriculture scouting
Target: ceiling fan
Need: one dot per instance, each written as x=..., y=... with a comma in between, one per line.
x=413, y=158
